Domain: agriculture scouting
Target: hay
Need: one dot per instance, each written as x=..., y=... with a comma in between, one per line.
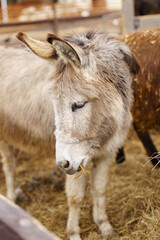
x=157, y=157
x=83, y=171
x=133, y=196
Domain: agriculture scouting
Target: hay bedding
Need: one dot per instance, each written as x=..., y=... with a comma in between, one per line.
x=133, y=196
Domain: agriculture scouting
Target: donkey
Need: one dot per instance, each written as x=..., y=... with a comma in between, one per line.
x=77, y=91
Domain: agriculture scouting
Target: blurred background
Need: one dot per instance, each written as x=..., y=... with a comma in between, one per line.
x=60, y=16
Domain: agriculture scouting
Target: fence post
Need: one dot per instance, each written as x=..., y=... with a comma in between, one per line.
x=4, y=11
x=128, y=16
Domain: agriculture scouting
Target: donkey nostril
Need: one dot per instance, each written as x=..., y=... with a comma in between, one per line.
x=66, y=164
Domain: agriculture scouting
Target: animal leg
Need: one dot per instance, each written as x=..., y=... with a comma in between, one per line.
x=98, y=189
x=75, y=189
x=120, y=156
x=8, y=161
x=148, y=145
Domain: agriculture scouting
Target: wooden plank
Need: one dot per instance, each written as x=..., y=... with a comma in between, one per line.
x=6, y=233
x=147, y=22
x=16, y=224
x=128, y=16
x=109, y=25
x=109, y=16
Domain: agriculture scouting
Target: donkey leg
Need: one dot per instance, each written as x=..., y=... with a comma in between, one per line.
x=8, y=161
x=75, y=189
x=120, y=156
x=98, y=188
x=148, y=145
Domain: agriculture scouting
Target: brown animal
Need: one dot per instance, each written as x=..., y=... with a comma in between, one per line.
x=81, y=85
x=145, y=45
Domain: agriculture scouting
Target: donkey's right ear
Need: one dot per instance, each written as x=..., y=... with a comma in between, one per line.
x=42, y=49
x=68, y=51
x=131, y=61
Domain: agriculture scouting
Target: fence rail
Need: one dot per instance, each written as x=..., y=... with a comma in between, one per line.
x=16, y=224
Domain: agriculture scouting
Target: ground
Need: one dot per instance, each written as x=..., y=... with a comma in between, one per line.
x=133, y=195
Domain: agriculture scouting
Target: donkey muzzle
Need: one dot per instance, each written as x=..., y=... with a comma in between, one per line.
x=69, y=168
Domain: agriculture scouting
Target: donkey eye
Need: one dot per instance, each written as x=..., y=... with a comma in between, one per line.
x=77, y=105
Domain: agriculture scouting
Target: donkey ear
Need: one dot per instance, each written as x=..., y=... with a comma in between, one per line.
x=42, y=49
x=64, y=49
x=131, y=61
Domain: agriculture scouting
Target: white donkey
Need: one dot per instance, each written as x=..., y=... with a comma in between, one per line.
x=80, y=86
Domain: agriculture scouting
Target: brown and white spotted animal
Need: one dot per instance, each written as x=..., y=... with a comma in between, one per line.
x=77, y=91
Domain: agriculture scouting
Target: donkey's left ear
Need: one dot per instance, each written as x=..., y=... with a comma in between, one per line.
x=69, y=52
x=42, y=49
x=131, y=61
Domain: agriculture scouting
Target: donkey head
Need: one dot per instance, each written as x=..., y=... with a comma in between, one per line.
x=91, y=94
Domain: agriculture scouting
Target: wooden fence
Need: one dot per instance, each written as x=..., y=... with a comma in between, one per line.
x=16, y=224
x=132, y=22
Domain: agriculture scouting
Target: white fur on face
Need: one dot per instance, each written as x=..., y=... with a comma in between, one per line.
x=74, y=153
